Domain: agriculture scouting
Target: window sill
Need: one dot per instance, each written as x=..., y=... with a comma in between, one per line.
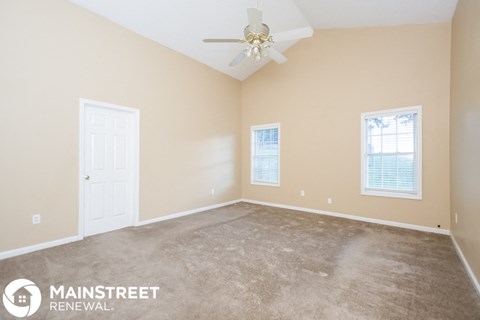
x=265, y=184
x=387, y=194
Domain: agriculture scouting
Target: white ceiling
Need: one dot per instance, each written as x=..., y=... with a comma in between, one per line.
x=182, y=24
x=324, y=14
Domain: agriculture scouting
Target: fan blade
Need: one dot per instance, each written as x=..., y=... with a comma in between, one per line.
x=276, y=56
x=238, y=59
x=293, y=34
x=255, y=19
x=224, y=40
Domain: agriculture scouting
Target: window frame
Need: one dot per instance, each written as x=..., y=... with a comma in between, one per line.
x=417, y=195
x=252, y=152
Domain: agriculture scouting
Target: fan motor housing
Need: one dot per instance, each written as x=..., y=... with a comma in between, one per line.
x=261, y=36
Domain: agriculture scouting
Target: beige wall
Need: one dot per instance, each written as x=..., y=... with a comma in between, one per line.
x=318, y=96
x=465, y=130
x=53, y=53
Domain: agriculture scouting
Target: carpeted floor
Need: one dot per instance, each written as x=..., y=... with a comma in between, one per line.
x=253, y=262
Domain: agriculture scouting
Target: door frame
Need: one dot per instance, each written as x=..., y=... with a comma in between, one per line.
x=136, y=159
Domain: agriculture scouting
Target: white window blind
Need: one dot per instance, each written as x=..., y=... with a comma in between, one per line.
x=265, y=157
x=391, y=153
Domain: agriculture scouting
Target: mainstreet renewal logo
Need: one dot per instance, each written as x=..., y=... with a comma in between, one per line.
x=81, y=295
x=22, y=298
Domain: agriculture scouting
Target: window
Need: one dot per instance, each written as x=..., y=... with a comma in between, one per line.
x=392, y=153
x=265, y=161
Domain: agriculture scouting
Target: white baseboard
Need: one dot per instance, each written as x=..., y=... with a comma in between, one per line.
x=475, y=282
x=186, y=213
x=474, y=279
x=353, y=217
x=37, y=247
x=54, y=243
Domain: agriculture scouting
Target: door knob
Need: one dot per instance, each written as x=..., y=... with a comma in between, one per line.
x=87, y=177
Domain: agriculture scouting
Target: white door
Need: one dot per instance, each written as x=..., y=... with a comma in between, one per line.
x=108, y=168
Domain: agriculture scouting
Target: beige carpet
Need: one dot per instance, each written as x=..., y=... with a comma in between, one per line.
x=253, y=262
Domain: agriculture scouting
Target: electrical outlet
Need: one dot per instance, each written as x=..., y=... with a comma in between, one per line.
x=36, y=219
x=329, y=200
x=302, y=193
x=456, y=218
x=212, y=191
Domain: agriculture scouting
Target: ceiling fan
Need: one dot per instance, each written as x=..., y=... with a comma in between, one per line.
x=259, y=39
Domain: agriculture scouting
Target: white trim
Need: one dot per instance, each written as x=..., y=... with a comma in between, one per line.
x=252, y=148
x=474, y=279
x=391, y=112
x=136, y=159
x=59, y=242
x=81, y=169
x=418, y=152
x=38, y=247
x=391, y=194
x=186, y=213
x=354, y=217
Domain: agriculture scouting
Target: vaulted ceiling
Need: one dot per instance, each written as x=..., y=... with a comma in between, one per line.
x=182, y=24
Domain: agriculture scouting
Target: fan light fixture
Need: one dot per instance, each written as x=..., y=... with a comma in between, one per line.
x=259, y=43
